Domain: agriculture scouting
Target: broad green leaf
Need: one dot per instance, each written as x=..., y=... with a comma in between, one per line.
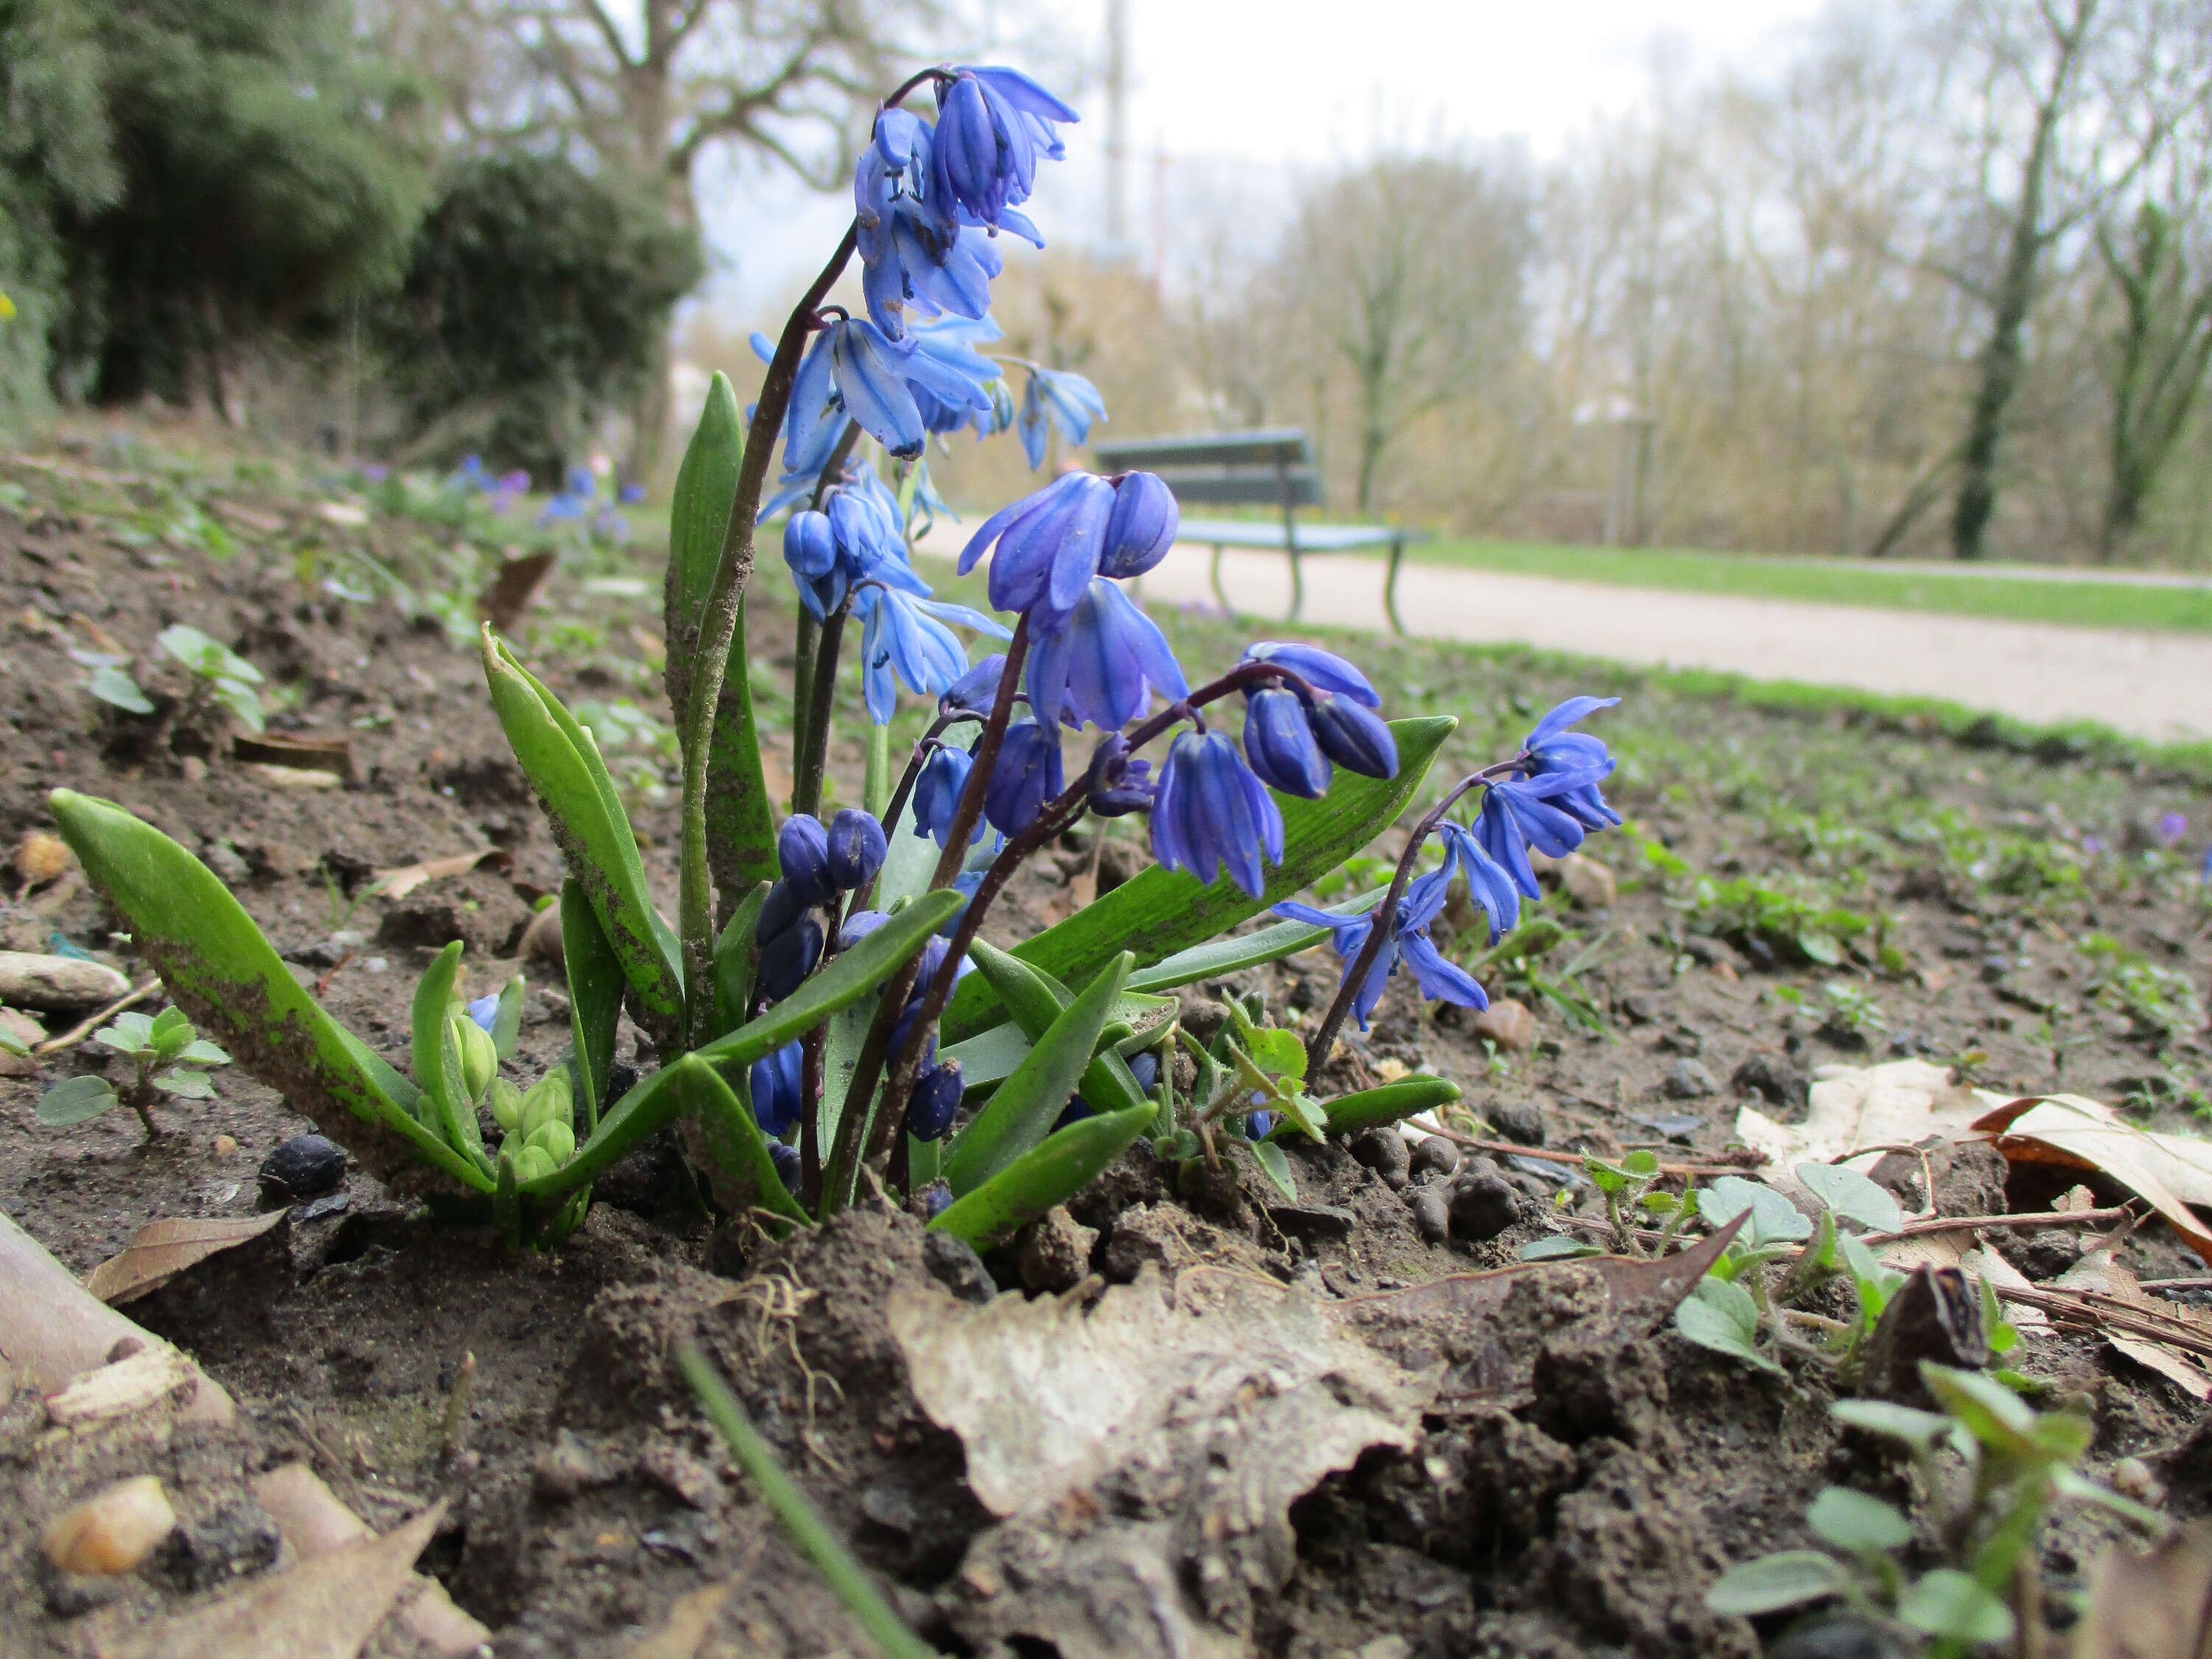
x=129, y=1033
x=507, y=1022
x=200, y=1052
x=506, y=1202
x=1992, y=1414
x=1722, y=1316
x=1915, y=1427
x=218, y=967
x=1772, y=1583
x=76, y=1100
x=735, y=1150
x=1367, y=1107
x=1218, y=959
x=740, y=818
x=735, y=960
x=1021, y=1113
x=651, y=1103
x=1049, y=1174
x=581, y=804
x=169, y=1031
x=1279, y=1053
x=595, y=995
x=2068, y=1484
x=1857, y=1522
x=112, y=685
x=1557, y=1247
x=1642, y=1164
x=1853, y=1196
x=1277, y=1166
x=1819, y=947
x=1947, y=1603
x=432, y=1008
x=1774, y=1218
x=1036, y=999
x=1160, y=911
x=184, y=1084
x=850, y=976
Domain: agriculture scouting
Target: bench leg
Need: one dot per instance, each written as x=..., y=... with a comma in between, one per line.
x=1220, y=595
x=1390, y=585
x=1298, y=585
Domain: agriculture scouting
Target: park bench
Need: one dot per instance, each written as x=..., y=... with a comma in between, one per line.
x=1272, y=468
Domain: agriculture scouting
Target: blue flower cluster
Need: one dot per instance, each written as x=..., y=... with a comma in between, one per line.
x=818, y=864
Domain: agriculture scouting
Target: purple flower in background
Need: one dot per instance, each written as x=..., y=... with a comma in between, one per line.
x=1061, y=398
x=2093, y=845
x=485, y=1011
x=2172, y=827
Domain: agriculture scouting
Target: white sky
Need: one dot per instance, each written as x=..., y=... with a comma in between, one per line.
x=1246, y=94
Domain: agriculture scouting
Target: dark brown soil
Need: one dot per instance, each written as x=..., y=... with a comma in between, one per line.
x=1583, y=1513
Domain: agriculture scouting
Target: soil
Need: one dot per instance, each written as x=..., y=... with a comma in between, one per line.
x=1578, y=1502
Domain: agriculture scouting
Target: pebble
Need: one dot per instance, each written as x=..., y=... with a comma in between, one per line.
x=564, y=1470
x=1589, y=882
x=225, y=1145
x=234, y=1541
x=303, y=1167
x=541, y=939
x=1054, y=1252
x=112, y=1531
x=58, y=985
x=227, y=861
x=1483, y=1204
x=1430, y=1214
x=1203, y=1018
x=1518, y=1120
x=1382, y=1150
x=1508, y=1024
x=1688, y=1079
x=1434, y=1157
x=953, y=1263
x=1773, y=1078
x=1314, y=1223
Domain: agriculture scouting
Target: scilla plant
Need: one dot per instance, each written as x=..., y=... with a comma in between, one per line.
x=811, y=1004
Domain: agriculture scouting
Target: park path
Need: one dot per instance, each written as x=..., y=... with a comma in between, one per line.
x=2149, y=686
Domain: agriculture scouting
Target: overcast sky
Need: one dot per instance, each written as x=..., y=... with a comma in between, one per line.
x=1259, y=93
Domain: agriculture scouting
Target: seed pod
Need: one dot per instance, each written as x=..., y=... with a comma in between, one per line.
x=480, y=1058
x=556, y=1140
x=112, y=1531
x=506, y=1104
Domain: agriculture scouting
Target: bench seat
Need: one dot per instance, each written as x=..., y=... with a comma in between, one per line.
x=1219, y=534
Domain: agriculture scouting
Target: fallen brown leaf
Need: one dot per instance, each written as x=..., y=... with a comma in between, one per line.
x=2082, y=1133
x=398, y=882
x=122, y=1388
x=302, y=751
x=326, y=1607
x=511, y=591
x=2151, y=1604
x=685, y=1627
x=160, y=1250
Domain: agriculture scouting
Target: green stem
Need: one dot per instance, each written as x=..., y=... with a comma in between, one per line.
x=846, y=1576
x=876, y=793
x=802, y=679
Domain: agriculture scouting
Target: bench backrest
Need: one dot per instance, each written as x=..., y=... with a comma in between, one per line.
x=1271, y=468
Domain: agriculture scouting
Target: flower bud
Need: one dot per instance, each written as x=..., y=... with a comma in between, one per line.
x=935, y=1101
x=480, y=1058
x=1354, y=736
x=977, y=690
x=788, y=1165
x=1027, y=774
x=556, y=1140
x=1118, y=784
x=1142, y=527
x=788, y=959
x=802, y=848
x=1146, y=1068
x=856, y=849
x=1279, y=744
x=777, y=1083
x=786, y=903
x=506, y=1105
x=937, y=790
x=548, y=1102
x=532, y=1162
x=809, y=547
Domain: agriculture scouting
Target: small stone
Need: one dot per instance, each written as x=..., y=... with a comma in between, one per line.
x=564, y=1470
x=112, y=1531
x=1635, y=1008
x=1521, y=1122
x=1434, y=1157
x=1144, y=1236
x=58, y=985
x=1589, y=882
x=541, y=939
x=1682, y=1040
x=890, y=1506
x=303, y=1167
x=1508, y=1024
x=1688, y=1079
x=1382, y=1150
x=1773, y=1079
x=236, y=1539
x=225, y=1145
x=41, y=857
x=1431, y=1213
x=1314, y=1223
x=2132, y=1478
x=227, y=861
x=953, y=1263
x=1203, y=1018
x=195, y=769
x=1054, y=1252
x=2046, y=1253
x=1483, y=1204
x=329, y=1204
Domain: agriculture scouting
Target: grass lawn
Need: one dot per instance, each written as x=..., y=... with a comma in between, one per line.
x=2080, y=603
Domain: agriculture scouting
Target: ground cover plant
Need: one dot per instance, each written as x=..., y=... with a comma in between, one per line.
x=777, y=1153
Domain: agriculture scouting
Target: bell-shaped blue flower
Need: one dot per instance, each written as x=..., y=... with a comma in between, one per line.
x=936, y=790
x=907, y=636
x=917, y=259
x=1280, y=744
x=810, y=546
x=778, y=1098
x=1142, y=527
x=1026, y=776
x=975, y=691
x=1487, y=883
x=1324, y=670
x=484, y=1011
x=873, y=372
x=1354, y=736
x=1104, y=665
x=788, y=959
x=1440, y=980
x=1059, y=398
x=856, y=849
x=1048, y=547
x=935, y=1101
x=1118, y=783
x=1211, y=814
x=1553, y=749
x=858, y=926
x=790, y=1163
x=994, y=125
x=802, y=849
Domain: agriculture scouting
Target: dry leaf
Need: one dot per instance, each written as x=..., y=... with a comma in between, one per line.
x=326, y=1607
x=347, y=514
x=294, y=777
x=302, y=751
x=2151, y=1604
x=160, y=1250
x=685, y=1627
x=122, y=1388
x=315, y=1523
x=398, y=884
x=511, y=591
x=1852, y=1107
x=2084, y=1134
x=2186, y=1374
x=55, y=1331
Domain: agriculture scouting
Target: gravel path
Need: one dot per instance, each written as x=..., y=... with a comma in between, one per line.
x=2149, y=686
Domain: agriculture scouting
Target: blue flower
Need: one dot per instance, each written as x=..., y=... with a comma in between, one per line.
x=1324, y=670
x=937, y=790
x=1118, y=783
x=878, y=379
x=907, y=636
x=1354, y=736
x=856, y=849
x=1051, y=544
x=631, y=494
x=485, y=1011
x=858, y=926
x=1026, y=776
x=951, y=344
x=1553, y=749
x=975, y=691
x=1062, y=398
x=786, y=902
x=788, y=959
x=856, y=539
x=802, y=850
x=778, y=1096
x=1280, y=744
x=1440, y=979
x=1487, y=883
x=916, y=256
x=992, y=127
x=1105, y=666
x=790, y=1166
x=935, y=1101
x=1521, y=812
x=1348, y=936
x=1257, y=1125
x=1211, y=814
x=1142, y=527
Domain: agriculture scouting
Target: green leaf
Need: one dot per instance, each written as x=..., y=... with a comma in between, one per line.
x=736, y=1152
x=185, y=1084
x=1721, y=1315
x=1947, y=1603
x=990, y=1056
x=638, y=1115
x=218, y=967
x=1049, y=1174
x=1991, y=1413
x=595, y=996
x=1816, y=946
x=735, y=960
x=1365, y=1109
x=201, y=1051
x=244, y=705
x=75, y=1100
x=1218, y=959
x=506, y=1020
x=1641, y=1166
x=1774, y=1218
x=432, y=1009
x=1855, y=1522
x=1277, y=1166
x=111, y=685
x=1021, y=1113
x=740, y=818
x=1557, y=1248
x=1772, y=1583
x=129, y=1033
x=2068, y=1484
x=585, y=812
x=1036, y=998
x=170, y=1033
x=1853, y=1196
x=1162, y=911
x=850, y=976
x=459, y=1121
x=1279, y=1053
x=1918, y=1429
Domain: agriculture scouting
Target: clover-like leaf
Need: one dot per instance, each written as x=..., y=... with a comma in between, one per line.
x=111, y=685
x=1947, y=1603
x=1721, y=1315
x=1774, y=1218
x=1857, y=1522
x=129, y=1033
x=185, y=1084
x=1853, y=1196
x=75, y=1100
x=1790, y=1579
